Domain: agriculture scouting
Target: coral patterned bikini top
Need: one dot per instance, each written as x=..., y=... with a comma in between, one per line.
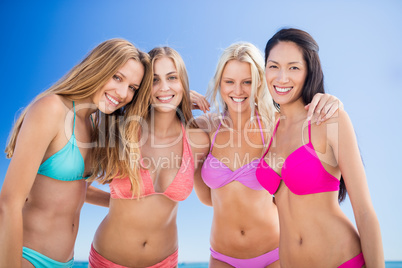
x=178, y=190
x=302, y=172
x=216, y=174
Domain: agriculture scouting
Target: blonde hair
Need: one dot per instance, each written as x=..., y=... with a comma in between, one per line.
x=117, y=152
x=245, y=52
x=84, y=79
x=183, y=112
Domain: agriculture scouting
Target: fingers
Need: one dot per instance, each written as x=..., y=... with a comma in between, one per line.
x=340, y=105
x=313, y=106
x=324, y=106
x=328, y=111
x=199, y=101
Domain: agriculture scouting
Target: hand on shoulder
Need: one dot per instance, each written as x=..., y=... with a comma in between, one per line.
x=208, y=122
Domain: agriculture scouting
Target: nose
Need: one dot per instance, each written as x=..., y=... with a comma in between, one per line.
x=122, y=91
x=238, y=89
x=164, y=85
x=282, y=76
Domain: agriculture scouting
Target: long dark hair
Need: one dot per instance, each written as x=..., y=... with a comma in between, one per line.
x=315, y=78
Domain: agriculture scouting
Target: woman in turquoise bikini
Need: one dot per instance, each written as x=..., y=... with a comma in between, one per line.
x=50, y=145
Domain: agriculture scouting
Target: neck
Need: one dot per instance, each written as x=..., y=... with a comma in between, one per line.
x=239, y=120
x=84, y=108
x=163, y=124
x=293, y=112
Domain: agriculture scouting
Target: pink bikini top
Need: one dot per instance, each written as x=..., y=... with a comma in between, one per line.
x=302, y=172
x=178, y=190
x=216, y=174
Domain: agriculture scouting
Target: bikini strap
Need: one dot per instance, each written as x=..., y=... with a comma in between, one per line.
x=183, y=132
x=213, y=140
x=92, y=120
x=273, y=134
x=309, y=130
x=74, y=117
x=186, y=143
x=262, y=135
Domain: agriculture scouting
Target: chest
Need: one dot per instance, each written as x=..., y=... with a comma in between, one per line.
x=163, y=161
x=236, y=149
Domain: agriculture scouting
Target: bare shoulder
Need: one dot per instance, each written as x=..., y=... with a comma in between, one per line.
x=339, y=126
x=340, y=117
x=48, y=112
x=198, y=140
x=207, y=122
x=49, y=106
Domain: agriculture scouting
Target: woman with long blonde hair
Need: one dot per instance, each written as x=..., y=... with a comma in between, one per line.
x=140, y=229
x=245, y=226
x=50, y=148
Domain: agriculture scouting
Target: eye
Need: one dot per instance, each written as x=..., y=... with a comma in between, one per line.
x=272, y=67
x=228, y=82
x=156, y=80
x=133, y=88
x=294, y=68
x=117, y=78
x=248, y=82
x=172, y=77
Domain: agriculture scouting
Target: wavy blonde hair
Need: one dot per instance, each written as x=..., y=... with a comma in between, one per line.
x=117, y=152
x=245, y=52
x=183, y=112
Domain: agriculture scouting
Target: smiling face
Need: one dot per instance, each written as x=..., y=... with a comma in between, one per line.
x=119, y=89
x=286, y=72
x=167, y=89
x=235, y=86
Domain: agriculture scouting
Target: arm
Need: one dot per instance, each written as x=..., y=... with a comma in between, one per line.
x=324, y=106
x=201, y=189
x=97, y=196
x=348, y=156
x=200, y=151
x=37, y=132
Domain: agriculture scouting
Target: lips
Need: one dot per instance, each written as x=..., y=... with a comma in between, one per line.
x=165, y=99
x=282, y=90
x=238, y=100
x=112, y=100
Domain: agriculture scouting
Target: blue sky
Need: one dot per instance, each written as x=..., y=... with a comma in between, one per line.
x=360, y=49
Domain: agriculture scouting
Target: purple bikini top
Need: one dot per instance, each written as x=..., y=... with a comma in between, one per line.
x=216, y=174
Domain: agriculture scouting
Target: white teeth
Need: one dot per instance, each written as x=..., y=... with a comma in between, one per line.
x=283, y=89
x=115, y=102
x=164, y=98
x=238, y=100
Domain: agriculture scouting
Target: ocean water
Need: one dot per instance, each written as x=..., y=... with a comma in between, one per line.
x=79, y=264
x=393, y=264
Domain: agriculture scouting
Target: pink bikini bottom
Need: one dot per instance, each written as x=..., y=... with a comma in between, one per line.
x=356, y=262
x=98, y=261
x=257, y=262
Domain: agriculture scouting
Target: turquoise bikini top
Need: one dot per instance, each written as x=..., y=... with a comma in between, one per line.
x=67, y=164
